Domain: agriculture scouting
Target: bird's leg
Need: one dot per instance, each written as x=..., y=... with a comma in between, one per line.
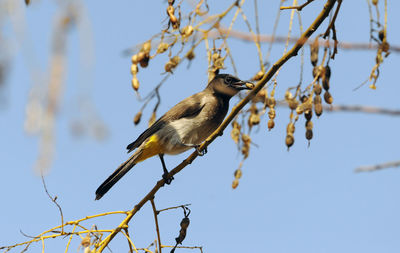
x=167, y=179
x=197, y=147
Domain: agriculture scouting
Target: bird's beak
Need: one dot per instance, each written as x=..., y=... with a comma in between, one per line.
x=243, y=85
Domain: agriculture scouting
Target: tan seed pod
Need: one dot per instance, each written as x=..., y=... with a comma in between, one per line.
x=246, y=139
x=258, y=76
x=271, y=124
x=315, y=71
x=254, y=119
x=144, y=62
x=162, y=47
x=238, y=173
x=288, y=95
x=271, y=102
x=300, y=109
x=318, y=109
x=272, y=113
x=175, y=60
x=289, y=140
x=190, y=55
x=328, y=98
x=317, y=89
x=187, y=31
x=85, y=241
x=327, y=73
x=308, y=114
x=385, y=46
x=146, y=47
x=375, y=2
x=309, y=134
x=293, y=103
x=134, y=69
x=250, y=85
x=135, y=59
x=136, y=119
x=235, y=184
x=140, y=56
x=325, y=84
x=309, y=125
x=245, y=151
x=235, y=134
x=135, y=83
x=317, y=99
x=169, y=66
x=290, y=128
x=314, y=48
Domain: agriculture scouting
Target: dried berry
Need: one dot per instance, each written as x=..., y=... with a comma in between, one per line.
x=309, y=134
x=289, y=140
x=314, y=48
x=328, y=98
x=137, y=118
x=271, y=124
x=135, y=83
x=317, y=89
x=318, y=109
x=290, y=128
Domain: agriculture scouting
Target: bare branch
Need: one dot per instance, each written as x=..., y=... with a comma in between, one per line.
x=381, y=166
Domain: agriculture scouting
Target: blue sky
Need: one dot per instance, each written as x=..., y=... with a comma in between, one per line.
x=306, y=200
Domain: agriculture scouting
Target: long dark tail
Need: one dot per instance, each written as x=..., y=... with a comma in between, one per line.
x=116, y=175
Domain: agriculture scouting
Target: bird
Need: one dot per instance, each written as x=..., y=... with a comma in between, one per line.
x=186, y=125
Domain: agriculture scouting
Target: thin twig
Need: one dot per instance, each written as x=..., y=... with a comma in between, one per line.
x=54, y=200
x=156, y=221
x=299, y=7
x=174, y=207
x=378, y=166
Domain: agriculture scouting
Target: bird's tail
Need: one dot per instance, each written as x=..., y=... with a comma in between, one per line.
x=116, y=175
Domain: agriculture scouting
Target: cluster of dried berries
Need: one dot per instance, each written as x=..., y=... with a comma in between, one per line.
x=271, y=103
x=142, y=58
x=217, y=63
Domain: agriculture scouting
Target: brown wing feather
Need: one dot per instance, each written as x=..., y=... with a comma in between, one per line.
x=188, y=107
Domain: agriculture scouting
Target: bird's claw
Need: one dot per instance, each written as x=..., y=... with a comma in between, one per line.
x=201, y=152
x=167, y=179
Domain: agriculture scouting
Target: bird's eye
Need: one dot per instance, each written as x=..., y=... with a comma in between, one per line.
x=228, y=80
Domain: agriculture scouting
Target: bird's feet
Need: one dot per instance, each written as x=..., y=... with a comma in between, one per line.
x=200, y=152
x=167, y=179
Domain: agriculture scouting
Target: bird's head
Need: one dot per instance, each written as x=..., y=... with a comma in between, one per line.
x=228, y=85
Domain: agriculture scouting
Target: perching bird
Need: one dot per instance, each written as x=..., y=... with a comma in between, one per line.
x=184, y=126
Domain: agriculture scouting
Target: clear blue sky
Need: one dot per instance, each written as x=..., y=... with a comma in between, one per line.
x=306, y=200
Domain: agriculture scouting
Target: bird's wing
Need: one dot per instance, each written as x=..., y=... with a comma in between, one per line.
x=187, y=108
